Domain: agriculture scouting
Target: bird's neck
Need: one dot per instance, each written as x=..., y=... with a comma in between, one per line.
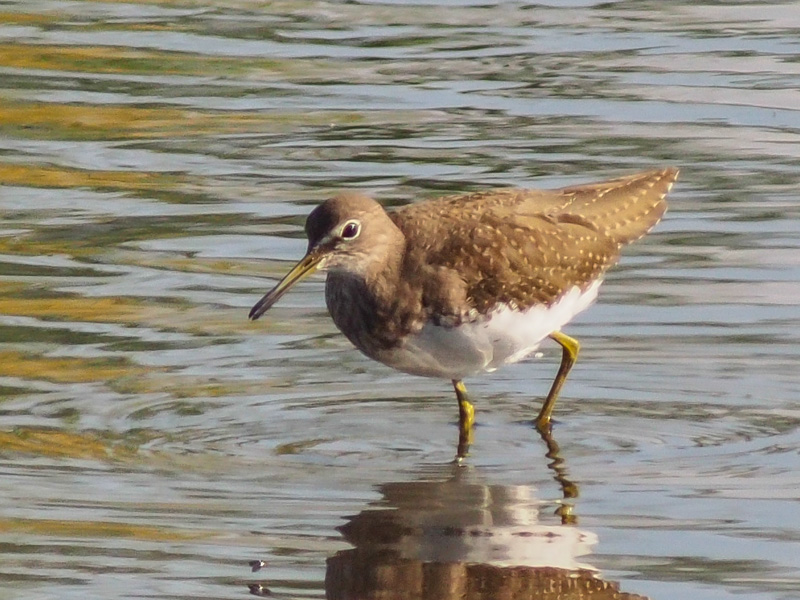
x=362, y=302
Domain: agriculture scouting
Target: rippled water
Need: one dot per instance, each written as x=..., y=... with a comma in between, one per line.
x=157, y=159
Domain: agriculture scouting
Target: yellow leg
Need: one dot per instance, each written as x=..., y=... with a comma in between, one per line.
x=466, y=419
x=570, y=348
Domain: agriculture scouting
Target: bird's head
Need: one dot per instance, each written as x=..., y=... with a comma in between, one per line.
x=344, y=234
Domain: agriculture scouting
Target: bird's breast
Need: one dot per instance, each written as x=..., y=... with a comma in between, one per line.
x=371, y=322
x=504, y=335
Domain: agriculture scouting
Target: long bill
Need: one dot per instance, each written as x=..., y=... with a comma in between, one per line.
x=304, y=268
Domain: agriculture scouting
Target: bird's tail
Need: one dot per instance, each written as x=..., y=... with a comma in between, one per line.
x=625, y=209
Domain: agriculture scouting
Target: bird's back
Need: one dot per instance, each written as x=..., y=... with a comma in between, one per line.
x=526, y=247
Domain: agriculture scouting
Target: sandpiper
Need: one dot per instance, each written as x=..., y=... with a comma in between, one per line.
x=464, y=284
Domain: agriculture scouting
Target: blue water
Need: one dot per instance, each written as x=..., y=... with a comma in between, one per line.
x=157, y=161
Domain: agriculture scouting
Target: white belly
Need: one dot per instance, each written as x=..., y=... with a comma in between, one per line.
x=504, y=336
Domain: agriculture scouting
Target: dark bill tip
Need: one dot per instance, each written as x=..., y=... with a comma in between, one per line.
x=260, y=308
x=302, y=269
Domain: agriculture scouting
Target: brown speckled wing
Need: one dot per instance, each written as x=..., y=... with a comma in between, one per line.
x=624, y=209
x=524, y=247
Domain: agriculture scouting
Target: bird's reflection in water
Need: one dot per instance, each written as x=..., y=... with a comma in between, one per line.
x=449, y=535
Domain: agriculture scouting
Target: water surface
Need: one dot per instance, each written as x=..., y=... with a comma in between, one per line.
x=157, y=160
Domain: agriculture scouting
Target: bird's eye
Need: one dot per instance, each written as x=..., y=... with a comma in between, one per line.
x=351, y=230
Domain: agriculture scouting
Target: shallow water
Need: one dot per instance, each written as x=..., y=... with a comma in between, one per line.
x=157, y=159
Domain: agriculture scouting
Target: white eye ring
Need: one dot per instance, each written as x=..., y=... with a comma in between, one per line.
x=351, y=230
